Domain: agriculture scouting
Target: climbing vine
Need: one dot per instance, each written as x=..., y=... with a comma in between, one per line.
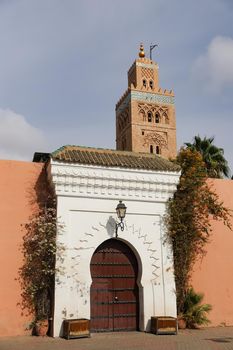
x=40, y=251
x=188, y=218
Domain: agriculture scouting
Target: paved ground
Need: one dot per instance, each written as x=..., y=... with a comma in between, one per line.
x=208, y=339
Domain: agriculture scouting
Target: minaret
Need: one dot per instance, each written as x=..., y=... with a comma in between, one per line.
x=145, y=114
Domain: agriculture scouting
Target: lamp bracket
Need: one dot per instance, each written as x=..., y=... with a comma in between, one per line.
x=119, y=225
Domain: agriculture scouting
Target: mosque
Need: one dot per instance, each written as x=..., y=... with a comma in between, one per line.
x=118, y=267
x=120, y=281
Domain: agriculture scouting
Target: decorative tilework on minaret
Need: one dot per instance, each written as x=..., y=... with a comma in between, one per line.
x=145, y=114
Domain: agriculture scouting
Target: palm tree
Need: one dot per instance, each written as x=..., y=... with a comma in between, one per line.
x=213, y=156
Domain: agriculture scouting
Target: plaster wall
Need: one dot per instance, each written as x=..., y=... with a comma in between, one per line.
x=86, y=207
x=213, y=274
x=17, y=188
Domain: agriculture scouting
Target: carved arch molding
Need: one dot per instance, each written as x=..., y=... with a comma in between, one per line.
x=162, y=111
x=156, y=139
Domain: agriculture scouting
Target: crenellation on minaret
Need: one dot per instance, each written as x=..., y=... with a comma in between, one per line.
x=145, y=114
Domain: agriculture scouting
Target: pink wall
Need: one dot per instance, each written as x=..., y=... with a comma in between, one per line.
x=17, y=181
x=214, y=274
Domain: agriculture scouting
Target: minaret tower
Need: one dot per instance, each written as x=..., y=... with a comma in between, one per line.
x=145, y=114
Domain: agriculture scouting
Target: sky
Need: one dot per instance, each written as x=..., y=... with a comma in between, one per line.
x=64, y=63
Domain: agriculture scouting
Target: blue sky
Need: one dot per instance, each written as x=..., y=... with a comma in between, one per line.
x=63, y=67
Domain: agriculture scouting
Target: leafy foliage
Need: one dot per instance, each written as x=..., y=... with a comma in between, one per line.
x=213, y=156
x=194, y=313
x=188, y=218
x=36, y=276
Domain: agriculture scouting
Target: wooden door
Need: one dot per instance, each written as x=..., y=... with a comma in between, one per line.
x=114, y=290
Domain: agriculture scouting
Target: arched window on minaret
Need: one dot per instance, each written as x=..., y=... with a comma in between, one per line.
x=157, y=118
x=149, y=117
x=157, y=150
x=151, y=149
x=151, y=84
x=142, y=115
x=144, y=83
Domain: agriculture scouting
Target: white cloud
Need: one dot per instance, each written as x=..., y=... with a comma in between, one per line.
x=18, y=139
x=215, y=68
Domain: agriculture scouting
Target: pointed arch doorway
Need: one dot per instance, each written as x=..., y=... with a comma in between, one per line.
x=114, y=290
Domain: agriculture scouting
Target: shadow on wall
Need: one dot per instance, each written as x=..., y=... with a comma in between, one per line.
x=111, y=227
x=148, y=326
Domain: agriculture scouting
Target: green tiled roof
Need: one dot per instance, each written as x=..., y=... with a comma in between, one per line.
x=112, y=158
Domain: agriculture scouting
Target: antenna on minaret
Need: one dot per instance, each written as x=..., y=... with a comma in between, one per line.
x=152, y=48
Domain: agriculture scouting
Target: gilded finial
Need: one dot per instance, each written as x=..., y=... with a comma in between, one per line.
x=141, y=52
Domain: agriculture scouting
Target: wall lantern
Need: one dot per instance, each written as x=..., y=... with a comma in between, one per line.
x=121, y=211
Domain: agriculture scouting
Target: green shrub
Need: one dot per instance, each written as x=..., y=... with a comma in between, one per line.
x=195, y=313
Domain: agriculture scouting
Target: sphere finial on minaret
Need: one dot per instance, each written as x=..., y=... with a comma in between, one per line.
x=141, y=52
